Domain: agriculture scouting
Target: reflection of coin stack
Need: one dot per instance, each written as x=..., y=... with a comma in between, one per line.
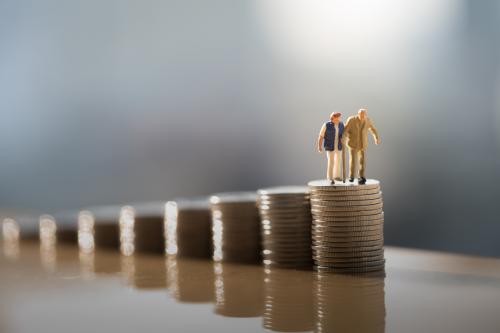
x=98, y=228
x=286, y=226
x=239, y=290
x=10, y=238
x=47, y=231
x=288, y=301
x=187, y=228
x=100, y=261
x=190, y=280
x=141, y=228
x=236, y=227
x=349, y=303
x=348, y=222
x=144, y=271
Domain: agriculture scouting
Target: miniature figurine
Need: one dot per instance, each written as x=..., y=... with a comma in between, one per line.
x=330, y=137
x=356, y=133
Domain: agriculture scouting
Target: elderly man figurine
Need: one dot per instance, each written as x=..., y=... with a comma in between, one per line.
x=356, y=133
x=330, y=137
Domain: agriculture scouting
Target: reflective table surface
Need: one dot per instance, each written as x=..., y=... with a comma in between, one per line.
x=58, y=289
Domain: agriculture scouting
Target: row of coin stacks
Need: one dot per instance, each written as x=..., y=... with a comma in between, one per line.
x=336, y=228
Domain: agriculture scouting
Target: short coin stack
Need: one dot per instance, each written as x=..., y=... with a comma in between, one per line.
x=236, y=227
x=187, y=228
x=286, y=226
x=348, y=222
x=141, y=228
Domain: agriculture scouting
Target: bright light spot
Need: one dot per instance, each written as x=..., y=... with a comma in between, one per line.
x=11, y=235
x=10, y=230
x=127, y=235
x=171, y=213
x=326, y=33
x=48, y=254
x=86, y=231
x=48, y=228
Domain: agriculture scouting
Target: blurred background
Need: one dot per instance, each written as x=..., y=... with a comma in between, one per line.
x=108, y=102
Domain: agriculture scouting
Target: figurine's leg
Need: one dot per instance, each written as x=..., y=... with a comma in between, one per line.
x=362, y=162
x=329, y=170
x=336, y=166
x=353, y=160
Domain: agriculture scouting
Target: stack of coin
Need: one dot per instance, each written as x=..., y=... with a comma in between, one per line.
x=285, y=214
x=288, y=300
x=20, y=228
x=348, y=222
x=350, y=303
x=188, y=228
x=141, y=228
x=236, y=227
x=15, y=230
x=98, y=228
x=61, y=228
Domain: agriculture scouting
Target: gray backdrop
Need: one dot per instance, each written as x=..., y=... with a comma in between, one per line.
x=122, y=101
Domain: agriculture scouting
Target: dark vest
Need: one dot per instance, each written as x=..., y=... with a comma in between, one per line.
x=329, y=139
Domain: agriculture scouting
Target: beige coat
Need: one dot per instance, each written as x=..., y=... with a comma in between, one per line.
x=356, y=132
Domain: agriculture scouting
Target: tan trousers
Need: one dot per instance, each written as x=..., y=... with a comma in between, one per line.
x=355, y=156
x=334, y=158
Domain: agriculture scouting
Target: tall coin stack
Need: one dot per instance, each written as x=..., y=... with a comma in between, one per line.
x=236, y=227
x=285, y=214
x=348, y=226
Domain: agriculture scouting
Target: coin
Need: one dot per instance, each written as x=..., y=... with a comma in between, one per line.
x=339, y=242
x=319, y=214
x=337, y=195
x=347, y=197
x=325, y=246
x=342, y=203
x=342, y=228
x=355, y=208
x=347, y=186
x=327, y=250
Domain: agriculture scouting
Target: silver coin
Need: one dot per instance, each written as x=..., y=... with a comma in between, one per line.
x=319, y=208
x=340, y=214
x=342, y=203
x=347, y=186
x=347, y=197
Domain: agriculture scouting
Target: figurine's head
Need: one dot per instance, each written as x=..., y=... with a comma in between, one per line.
x=335, y=117
x=362, y=114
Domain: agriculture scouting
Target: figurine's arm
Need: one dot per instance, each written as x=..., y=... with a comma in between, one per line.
x=345, y=134
x=374, y=132
x=321, y=138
